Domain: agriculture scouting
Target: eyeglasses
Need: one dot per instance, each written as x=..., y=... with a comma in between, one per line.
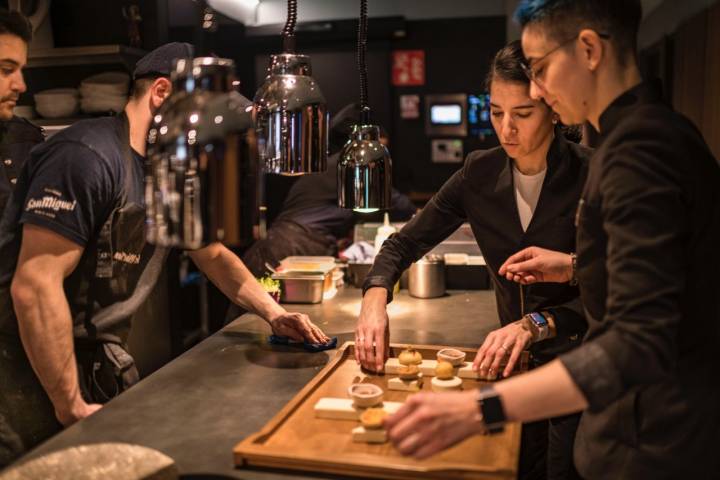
x=534, y=72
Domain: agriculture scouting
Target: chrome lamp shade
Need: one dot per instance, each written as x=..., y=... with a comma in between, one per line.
x=364, y=172
x=291, y=118
x=201, y=176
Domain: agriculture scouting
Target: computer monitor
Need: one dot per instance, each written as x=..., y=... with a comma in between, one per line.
x=446, y=114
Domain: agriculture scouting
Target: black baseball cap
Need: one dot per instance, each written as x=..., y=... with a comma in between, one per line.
x=159, y=62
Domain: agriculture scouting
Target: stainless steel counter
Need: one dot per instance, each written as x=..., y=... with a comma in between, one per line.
x=197, y=407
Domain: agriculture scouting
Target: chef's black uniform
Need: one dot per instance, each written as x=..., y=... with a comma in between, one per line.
x=17, y=137
x=648, y=264
x=482, y=193
x=85, y=184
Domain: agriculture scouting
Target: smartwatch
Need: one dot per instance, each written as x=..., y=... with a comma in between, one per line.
x=540, y=323
x=491, y=409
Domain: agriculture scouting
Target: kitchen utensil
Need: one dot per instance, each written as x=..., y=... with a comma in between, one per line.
x=427, y=277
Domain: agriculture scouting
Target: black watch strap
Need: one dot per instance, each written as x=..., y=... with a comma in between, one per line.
x=491, y=408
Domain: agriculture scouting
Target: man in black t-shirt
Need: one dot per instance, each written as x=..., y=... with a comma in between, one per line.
x=74, y=265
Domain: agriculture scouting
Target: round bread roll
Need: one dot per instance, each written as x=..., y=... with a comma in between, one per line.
x=410, y=356
x=444, y=370
x=373, y=418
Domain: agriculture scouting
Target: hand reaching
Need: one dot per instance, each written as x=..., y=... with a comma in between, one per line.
x=535, y=264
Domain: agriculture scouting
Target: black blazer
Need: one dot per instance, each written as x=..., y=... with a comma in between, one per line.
x=648, y=263
x=482, y=193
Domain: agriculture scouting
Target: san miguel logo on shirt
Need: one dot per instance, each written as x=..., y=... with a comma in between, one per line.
x=49, y=205
x=131, y=258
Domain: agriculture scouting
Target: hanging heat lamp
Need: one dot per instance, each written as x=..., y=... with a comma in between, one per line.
x=200, y=182
x=364, y=176
x=291, y=112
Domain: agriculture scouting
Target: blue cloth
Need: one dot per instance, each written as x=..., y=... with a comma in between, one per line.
x=310, y=347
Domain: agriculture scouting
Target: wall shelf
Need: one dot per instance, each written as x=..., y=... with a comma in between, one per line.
x=93, y=55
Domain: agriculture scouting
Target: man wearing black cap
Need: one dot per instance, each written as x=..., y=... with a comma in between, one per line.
x=73, y=256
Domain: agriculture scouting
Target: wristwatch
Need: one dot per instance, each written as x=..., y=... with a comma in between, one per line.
x=491, y=409
x=540, y=324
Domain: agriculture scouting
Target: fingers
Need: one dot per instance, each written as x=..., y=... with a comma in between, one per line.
x=501, y=352
x=514, y=356
x=368, y=349
x=406, y=420
x=371, y=344
x=527, y=266
x=359, y=357
x=380, y=351
x=480, y=357
x=364, y=343
x=309, y=333
x=409, y=444
x=484, y=368
x=522, y=255
x=319, y=333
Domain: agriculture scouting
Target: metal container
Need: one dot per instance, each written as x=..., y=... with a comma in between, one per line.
x=300, y=288
x=427, y=277
x=201, y=180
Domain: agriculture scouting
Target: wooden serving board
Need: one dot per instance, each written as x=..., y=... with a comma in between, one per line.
x=296, y=440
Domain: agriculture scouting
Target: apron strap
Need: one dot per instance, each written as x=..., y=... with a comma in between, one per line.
x=113, y=314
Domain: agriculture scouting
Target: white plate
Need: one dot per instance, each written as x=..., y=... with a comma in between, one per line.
x=108, y=83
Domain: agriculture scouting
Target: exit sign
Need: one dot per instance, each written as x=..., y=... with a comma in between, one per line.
x=408, y=68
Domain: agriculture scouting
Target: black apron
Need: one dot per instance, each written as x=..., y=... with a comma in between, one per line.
x=114, y=276
x=17, y=138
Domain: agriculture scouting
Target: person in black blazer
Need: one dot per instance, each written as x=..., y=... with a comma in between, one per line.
x=524, y=192
x=648, y=225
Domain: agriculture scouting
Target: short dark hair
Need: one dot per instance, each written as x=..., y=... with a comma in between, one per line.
x=15, y=23
x=141, y=85
x=561, y=19
x=507, y=66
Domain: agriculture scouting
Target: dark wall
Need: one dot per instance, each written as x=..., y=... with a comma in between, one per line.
x=457, y=54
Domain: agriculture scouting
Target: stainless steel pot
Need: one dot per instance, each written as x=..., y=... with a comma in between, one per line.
x=427, y=277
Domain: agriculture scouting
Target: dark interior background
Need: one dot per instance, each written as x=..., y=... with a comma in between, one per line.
x=457, y=53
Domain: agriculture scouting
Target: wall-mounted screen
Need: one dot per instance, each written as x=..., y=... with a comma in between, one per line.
x=479, y=115
x=446, y=115
x=450, y=114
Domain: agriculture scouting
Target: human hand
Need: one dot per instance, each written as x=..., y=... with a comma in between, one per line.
x=76, y=412
x=431, y=422
x=372, y=333
x=535, y=264
x=298, y=327
x=510, y=340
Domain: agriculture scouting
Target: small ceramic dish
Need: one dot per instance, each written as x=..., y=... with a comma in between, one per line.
x=451, y=355
x=365, y=394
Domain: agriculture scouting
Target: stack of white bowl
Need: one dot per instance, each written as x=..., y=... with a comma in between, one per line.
x=104, y=92
x=57, y=102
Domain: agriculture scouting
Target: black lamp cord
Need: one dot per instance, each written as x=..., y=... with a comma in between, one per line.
x=288, y=33
x=362, y=64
